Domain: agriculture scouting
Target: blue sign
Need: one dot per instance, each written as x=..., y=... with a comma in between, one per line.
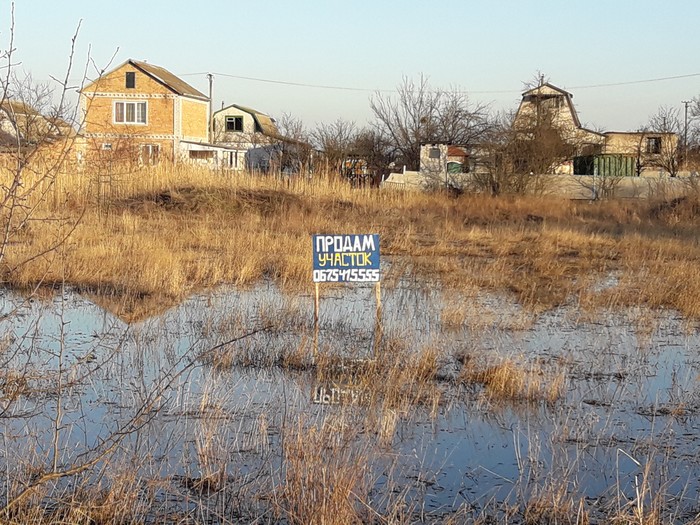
x=346, y=258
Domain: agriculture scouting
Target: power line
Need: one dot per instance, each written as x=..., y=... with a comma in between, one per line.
x=323, y=86
x=645, y=81
x=286, y=83
x=482, y=92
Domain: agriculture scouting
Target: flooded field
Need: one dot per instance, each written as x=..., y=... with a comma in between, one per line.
x=227, y=409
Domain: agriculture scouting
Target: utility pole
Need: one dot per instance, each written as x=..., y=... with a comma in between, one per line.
x=211, y=123
x=686, y=103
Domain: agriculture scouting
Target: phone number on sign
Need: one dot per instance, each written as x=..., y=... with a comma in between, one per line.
x=351, y=274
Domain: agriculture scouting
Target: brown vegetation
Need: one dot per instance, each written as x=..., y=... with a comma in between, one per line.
x=145, y=241
x=509, y=380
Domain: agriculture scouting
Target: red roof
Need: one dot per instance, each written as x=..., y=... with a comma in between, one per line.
x=456, y=151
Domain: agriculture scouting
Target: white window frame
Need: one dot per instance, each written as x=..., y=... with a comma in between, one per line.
x=149, y=154
x=233, y=119
x=136, y=105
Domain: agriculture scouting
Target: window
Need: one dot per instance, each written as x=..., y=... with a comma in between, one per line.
x=149, y=154
x=457, y=167
x=130, y=112
x=201, y=155
x=106, y=146
x=130, y=79
x=234, y=123
x=653, y=145
x=434, y=153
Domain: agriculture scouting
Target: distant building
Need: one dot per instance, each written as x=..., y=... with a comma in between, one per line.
x=142, y=112
x=651, y=151
x=553, y=106
x=252, y=137
x=444, y=164
x=549, y=106
x=28, y=125
x=25, y=131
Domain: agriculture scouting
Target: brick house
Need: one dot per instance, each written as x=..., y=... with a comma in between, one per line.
x=652, y=151
x=142, y=112
x=636, y=152
x=25, y=132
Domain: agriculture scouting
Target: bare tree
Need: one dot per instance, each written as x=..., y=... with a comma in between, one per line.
x=296, y=152
x=38, y=136
x=661, y=140
x=514, y=159
x=373, y=153
x=539, y=146
x=417, y=114
x=335, y=141
x=693, y=138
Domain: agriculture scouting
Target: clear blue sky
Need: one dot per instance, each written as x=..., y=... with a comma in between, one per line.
x=488, y=48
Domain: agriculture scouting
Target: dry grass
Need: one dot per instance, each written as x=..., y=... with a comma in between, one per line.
x=508, y=379
x=146, y=240
x=142, y=241
x=555, y=508
x=326, y=480
x=116, y=499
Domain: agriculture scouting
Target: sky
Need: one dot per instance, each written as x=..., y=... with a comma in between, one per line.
x=617, y=57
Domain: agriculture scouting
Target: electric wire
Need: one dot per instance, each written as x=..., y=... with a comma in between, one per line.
x=484, y=92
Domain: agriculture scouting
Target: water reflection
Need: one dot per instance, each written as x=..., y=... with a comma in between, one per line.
x=84, y=380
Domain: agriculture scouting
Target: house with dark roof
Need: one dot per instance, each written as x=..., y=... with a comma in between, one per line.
x=253, y=138
x=142, y=112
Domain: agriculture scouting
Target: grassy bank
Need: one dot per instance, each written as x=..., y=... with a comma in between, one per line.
x=140, y=242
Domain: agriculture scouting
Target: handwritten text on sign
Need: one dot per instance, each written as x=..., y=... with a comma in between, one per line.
x=346, y=258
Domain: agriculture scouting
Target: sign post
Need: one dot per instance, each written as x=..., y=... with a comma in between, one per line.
x=347, y=258
x=317, y=304
x=378, y=317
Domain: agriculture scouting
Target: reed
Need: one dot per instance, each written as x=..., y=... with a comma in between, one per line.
x=507, y=379
x=155, y=236
x=326, y=479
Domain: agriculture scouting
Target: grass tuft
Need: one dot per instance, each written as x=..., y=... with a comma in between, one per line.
x=509, y=380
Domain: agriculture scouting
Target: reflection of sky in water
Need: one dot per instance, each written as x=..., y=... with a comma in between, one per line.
x=631, y=389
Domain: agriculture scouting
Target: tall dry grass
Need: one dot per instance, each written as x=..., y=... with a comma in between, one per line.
x=510, y=379
x=326, y=478
x=140, y=241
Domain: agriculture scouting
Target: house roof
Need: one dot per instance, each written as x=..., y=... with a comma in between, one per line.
x=17, y=107
x=162, y=76
x=264, y=122
x=643, y=132
x=31, y=124
x=457, y=151
x=546, y=89
x=587, y=130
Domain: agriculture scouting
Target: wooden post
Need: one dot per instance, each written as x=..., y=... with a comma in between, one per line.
x=378, y=318
x=316, y=315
